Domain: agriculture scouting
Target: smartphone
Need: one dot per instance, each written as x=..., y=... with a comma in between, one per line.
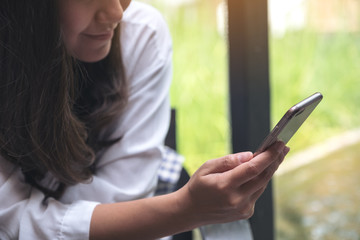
x=291, y=121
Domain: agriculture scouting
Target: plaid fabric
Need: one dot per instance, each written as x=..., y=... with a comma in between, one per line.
x=169, y=171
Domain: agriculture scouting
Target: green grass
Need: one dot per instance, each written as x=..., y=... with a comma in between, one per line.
x=305, y=62
x=199, y=89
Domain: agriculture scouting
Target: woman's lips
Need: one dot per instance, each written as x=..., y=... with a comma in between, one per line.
x=104, y=36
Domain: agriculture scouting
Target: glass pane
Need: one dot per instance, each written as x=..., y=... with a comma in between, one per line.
x=315, y=46
x=199, y=88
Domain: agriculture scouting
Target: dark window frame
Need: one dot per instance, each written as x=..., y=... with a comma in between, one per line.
x=250, y=93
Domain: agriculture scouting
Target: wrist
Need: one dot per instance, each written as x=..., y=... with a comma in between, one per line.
x=185, y=209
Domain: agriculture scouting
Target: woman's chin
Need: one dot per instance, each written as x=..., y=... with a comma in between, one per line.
x=91, y=56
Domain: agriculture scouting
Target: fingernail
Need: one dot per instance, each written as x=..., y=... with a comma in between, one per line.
x=280, y=146
x=286, y=150
x=245, y=156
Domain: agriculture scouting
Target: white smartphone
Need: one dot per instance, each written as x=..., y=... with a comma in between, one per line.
x=291, y=121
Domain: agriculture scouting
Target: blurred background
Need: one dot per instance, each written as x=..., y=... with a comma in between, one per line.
x=314, y=46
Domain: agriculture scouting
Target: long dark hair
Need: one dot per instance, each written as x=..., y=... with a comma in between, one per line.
x=53, y=109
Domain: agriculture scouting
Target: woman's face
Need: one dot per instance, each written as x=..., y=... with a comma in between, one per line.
x=88, y=26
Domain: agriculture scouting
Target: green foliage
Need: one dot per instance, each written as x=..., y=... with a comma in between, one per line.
x=199, y=88
x=305, y=62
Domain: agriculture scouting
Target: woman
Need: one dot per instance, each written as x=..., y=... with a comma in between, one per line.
x=83, y=119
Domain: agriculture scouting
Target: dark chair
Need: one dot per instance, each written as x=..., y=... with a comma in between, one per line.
x=170, y=141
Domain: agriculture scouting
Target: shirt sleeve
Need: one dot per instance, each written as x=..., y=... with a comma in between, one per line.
x=23, y=215
x=128, y=169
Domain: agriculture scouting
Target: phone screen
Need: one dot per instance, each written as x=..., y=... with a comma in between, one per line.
x=291, y=121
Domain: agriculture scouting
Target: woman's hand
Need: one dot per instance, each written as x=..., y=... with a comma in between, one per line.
x=222, y=190
x=226, y=189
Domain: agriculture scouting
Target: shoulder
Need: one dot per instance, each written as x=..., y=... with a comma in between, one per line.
x=144, y=37
x=142, y=24
x=144, y=14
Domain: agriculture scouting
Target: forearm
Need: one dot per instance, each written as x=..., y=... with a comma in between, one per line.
x=149, y=218
x=222, y=190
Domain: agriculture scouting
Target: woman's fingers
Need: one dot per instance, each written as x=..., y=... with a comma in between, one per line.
x=250, y=191
x=230, y=185
x=226, y=163
x=251, y=169
x=257, y=185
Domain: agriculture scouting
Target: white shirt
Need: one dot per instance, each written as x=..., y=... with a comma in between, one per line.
x=128, y=169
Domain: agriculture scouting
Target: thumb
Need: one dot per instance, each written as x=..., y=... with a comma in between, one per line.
x=226, y=163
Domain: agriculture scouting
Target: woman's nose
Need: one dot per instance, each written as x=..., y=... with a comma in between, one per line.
x=110, y=11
